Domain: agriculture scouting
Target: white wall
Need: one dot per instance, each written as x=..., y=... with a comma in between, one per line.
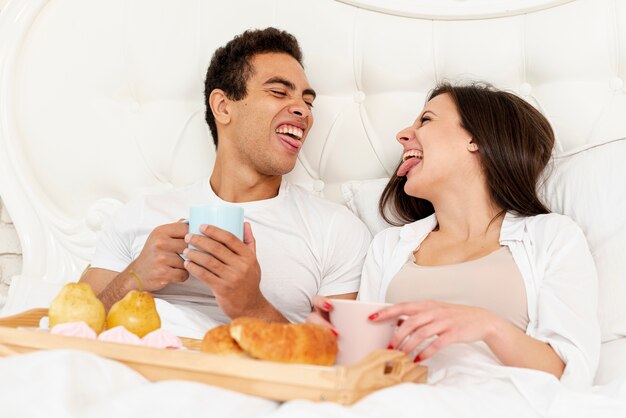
x=10, y=251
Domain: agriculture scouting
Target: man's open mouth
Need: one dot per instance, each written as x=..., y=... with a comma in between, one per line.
x=290, y=130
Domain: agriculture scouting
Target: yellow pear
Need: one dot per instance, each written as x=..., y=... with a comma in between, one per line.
x=136, y=312
x=77, y=302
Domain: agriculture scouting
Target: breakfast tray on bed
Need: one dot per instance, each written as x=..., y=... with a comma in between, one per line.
x=277, y=381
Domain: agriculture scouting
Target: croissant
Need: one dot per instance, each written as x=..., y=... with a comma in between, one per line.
x=219, y=341
x=288, y=343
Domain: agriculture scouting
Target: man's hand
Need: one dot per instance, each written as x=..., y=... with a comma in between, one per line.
x=230, y=268
x=159, y=263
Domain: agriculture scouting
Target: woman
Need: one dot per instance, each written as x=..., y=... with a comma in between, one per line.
x=480, y=259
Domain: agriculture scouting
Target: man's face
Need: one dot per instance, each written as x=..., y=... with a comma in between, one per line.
x=269, y=126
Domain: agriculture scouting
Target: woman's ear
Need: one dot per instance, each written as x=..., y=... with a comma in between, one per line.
x=472, y=146
x=220, y=106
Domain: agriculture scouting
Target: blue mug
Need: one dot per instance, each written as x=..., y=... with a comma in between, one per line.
x=223, y=216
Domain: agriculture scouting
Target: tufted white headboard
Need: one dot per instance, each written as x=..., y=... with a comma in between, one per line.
x=102, y=100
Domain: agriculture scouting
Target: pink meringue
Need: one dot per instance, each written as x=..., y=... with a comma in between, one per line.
x=119, y=334
x=74, y=329
x=160, y=338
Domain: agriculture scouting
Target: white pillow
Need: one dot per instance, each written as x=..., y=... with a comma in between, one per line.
x=590, y=187
x=362, y=196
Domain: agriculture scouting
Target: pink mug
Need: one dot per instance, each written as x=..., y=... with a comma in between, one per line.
x=358, y=336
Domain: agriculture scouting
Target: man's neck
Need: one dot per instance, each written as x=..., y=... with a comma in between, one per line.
x=236, y=185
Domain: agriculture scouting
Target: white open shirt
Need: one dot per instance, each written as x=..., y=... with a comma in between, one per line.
x=559, y=274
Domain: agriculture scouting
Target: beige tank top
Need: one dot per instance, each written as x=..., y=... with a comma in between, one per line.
x=492, y=282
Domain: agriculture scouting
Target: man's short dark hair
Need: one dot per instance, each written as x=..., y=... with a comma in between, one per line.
x=230, y=66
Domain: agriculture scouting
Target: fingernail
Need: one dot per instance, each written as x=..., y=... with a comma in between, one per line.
x=328, y=306
x=400, y=321
x=417, y=359
x=186, y=252
x=390, y=347
x=187, y=238
x=373, y=316
x=186, y=263
x=334, y=332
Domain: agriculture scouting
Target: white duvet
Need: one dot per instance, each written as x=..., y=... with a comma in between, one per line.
x=67, y=383
x=464, y=381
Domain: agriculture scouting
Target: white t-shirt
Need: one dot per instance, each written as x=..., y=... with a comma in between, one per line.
x=305, y=246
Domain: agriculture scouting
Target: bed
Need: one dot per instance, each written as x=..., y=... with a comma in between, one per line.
x=103, y=100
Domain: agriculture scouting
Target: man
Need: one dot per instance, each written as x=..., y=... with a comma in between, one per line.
x=259, y=105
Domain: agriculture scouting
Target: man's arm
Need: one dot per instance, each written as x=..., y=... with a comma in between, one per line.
x=158, y=264
x=110, y=286
x=99, y=280
x=344, y=257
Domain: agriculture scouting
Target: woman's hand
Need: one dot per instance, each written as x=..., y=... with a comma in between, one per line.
x=448, y=323
x=320, y=314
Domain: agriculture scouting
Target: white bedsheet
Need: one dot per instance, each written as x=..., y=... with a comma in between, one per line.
x=182, y=320
x=464, y=381
x=68, y=383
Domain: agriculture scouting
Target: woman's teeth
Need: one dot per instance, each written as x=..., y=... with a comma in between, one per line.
x=412, y=153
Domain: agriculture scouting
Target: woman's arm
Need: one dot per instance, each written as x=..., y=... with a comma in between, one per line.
x=447, y=323
x=567, y=309
x=514, y=348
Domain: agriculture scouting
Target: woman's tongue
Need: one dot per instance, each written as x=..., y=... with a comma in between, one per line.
x=406, y=166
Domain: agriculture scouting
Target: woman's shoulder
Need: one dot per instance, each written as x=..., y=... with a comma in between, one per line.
x=552, y=228
x=552, y=222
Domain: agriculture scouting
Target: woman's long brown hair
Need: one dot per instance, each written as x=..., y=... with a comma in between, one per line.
x=515, y=142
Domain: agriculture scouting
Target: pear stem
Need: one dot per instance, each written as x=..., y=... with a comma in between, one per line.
x=132, y=272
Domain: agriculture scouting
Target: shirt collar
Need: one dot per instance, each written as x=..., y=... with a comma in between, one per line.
x=418, y=229
x=513, y=227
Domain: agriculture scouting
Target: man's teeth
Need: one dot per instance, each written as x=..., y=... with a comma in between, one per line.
x=291, y=130
x=413, y=153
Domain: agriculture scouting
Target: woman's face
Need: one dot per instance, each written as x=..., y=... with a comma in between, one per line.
x=437, y=150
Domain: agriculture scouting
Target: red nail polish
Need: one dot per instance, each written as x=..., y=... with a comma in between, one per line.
x=373, y=316
x=390, y=347
x=417, y=359
x=328, y=306
x=334, y=332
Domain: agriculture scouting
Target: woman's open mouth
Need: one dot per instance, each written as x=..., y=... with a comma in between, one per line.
x=410, y=159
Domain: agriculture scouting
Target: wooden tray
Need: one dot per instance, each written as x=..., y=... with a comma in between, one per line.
x=278, y=381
